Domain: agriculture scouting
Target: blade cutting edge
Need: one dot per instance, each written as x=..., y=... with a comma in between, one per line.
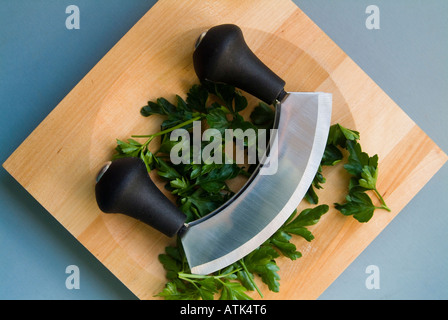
x=260, y=208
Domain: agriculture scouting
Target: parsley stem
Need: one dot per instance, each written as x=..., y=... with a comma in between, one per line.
x=147, y=142
x=187, y=276
x=383, y=203
x=160, y=133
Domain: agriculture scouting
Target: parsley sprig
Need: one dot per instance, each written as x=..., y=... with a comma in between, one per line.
x=201, y=188
x=362, y=168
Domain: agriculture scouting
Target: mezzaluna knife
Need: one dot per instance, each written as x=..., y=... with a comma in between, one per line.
x=258, y=210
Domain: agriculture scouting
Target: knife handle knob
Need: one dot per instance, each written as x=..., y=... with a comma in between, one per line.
x=125, y=187
x=222, y=56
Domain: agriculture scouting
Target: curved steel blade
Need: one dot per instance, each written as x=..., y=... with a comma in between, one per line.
x=267, y=201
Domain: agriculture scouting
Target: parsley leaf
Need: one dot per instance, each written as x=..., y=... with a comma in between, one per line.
x=306, y=218
x=364, y=170
x=311, y=195
x=197, y=98
x=263, y=116
x=358, y=159
x=166, y=171
x=201, y=203
x=217, y=119
x=296, y=226
x=358, y=204
x=176, y=290
x=261, y=261
x=369, y=176
x=232, y=290
x=339, y=135
x=215, y=181
x=130, y=148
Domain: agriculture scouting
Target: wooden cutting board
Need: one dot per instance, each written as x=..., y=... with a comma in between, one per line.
x=59, y=161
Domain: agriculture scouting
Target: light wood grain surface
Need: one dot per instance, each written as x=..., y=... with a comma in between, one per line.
x=58, y=162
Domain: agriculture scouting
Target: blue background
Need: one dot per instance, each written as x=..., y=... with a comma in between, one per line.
x=41, y=61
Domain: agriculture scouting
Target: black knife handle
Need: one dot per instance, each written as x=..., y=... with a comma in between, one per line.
x=125, y=187
x=222, y=56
